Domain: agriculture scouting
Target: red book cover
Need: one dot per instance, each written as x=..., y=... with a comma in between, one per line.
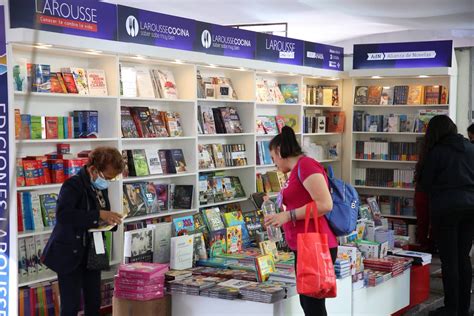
x=42, y=165
x=335, y=122
x=70, y=83
x=19, y=213
x=57, y=170
x=142, y=118
x=33, y=301
x=32, y=173
x=17, y=123
x=63, y=148
x=280, y=122
x=55, y=83
x=51, y=127
x=20, y=173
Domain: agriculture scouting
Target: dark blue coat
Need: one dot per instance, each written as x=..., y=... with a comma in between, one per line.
x=67, y=246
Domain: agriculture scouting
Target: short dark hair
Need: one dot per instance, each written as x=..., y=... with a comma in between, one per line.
x=104, y=156
x=470, y=129
x=286, y=141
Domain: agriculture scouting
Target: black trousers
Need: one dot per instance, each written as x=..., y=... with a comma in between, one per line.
x=453, y=233
x=315, y=306
x=70, y=287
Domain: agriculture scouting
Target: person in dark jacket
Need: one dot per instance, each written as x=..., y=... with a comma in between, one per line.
x=448, y=178
x=83, y=203
x=470, y=133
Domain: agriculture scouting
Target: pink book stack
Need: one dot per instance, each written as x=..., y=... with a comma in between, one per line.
x=140, y=281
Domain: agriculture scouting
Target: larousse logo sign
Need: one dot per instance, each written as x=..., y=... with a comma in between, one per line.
x=206, y=39
x=131, y=25
x=54, y=12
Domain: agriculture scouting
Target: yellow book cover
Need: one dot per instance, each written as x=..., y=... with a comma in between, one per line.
x=269, y=247
x=327, y=95
x=265, y=265
x=292, y=121
x=234, y=239
x=415, y=95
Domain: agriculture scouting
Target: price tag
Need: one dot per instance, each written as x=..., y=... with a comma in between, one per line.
x=99, y=243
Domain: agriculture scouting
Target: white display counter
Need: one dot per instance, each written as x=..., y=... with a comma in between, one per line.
x=189, y=305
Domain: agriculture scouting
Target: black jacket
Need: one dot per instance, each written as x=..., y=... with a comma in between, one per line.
x=67, y=247
x=448, y=175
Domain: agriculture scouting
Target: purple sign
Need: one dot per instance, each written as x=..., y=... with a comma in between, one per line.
x=90, y=18
x=224, y=41
x=4, y=176
x=323, y=56
x=151, y=28
x=403, y=55
x=279, y=49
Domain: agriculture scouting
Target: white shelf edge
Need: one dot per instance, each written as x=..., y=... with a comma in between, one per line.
x=322, y=106
x=157, y=215
x=414, y=106
x=39, y=279
x=39, y=187
x=29, y=233
x=328, y=160
x=227, y=168
x=224, y=135
x=399, y=216
x=157, y=176
x=279, y=104
x=223, y=202
x=265, y=166
x=386, y=161
x=384, y=188
x=62, y=95
x=389, y=133
x=225, y=100
x=321, y=134
x=156, y=139
x=65, y=140
x=158, y=100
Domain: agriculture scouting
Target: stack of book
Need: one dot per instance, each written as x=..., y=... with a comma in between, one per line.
x=271, y=181
x=143, y=122
x=373, y=278
x=80, y=124
x=391, y=178
x=382, y=149
x=42, y=299
x=218, y=120
x=140, y=281
x=263, y=292
x=147, y=197
x=217, y=187
x=342, y=268
x=322, y=95
x=215, y=86
x=419, y=258
x=283, y=275
x=144, y=82
x=220, y=155
x=191, y=286
x=39, y=78
x=144, y=162
x=400, y=95
x=272, y=125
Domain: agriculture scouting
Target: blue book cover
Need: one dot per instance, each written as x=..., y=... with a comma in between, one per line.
x=183, y=225
x=266, y=152
x=27, y=211
x=48, y=208
x=92, y=124
x=42, y=78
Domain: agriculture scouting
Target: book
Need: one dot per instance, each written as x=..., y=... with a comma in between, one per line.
x=444, y=95
x=128, y=79
x=20, y=78
x=80, y=79
x=264, y=265
x=181, y=254
x=153, y=161
x=234, y=239
x=31, y=257
x=69, y=82
x=42, y=78
x=213, y=219
x=432, y=94
x=183, y=196
x=290, y=93
x=36, y=211
x=158, y=118
x=183, y=225
x=86, y=124
x=217, y=242
x=400, y=95
x=38, y=127
x=138, y=245
x=374, y=94
x=143, y=122
x=173, y=124
x=147, y=190
x=25, y=127
x=57, y=86
x=208, y=119
x=144, y=83
x=415, y=95
x=233, y=125
x=134, y=198
x=48, y=208
x=140, y=163
x=292, y=121
x=269, y=247
x=387, y=96
x=22, y=259
x=336, y=121
x=96, y=82
x=167, y=83
x=129, y=129
x=205, y=157
x=218, y=155
x=178, y=160
x=51, y=124
x=235, y=218
x=161, y=190
x=161, y=236
x=200, y=252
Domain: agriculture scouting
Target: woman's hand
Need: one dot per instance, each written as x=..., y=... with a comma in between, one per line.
x=111, y=218
x=277, y=220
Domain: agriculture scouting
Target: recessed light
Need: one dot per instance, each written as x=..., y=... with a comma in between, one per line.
x=44, y=46
x=94, y=52
x=269, y=72
x=386, y=88
x=177, y=61
x=242, y=69
x=423, y=76
x=139, y=57
x=376, y=77
x=212, y=66
x=335, y=78
x=316, y=77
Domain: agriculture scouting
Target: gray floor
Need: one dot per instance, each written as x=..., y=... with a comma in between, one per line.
x=436, y=293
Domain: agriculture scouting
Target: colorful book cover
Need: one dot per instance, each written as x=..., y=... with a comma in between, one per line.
x=253, y=223
x=42, y=81
x=96, y=82
x=161, y=190
x=56, y=85
x=217, y=242
x=167, y=83
x=374, y=94
x=387, y=96
x=269, y=247
x=173, y=124
x=147, y=189
x=234, y=239
x=184, y=225
x=143, y=122
x=140, y=162
x=292, y=121
x=129, y=129
x=415, y=95
x=444, y=96
x=361, y=95
x=336, y=122
x=80, y=79
x=235, y=218
x=400, y=95
x=178, y=159
x=264, y=265
x=135, y=199
x=48, y=208
x=20, y=173
x=432, y=94
x=70, y=83
x=269, y=125
x=212, y=216
x=233, y=125
x=51, y=127
x=290, y=93
x=159, y=122
x=25, y=130
x=38, y=127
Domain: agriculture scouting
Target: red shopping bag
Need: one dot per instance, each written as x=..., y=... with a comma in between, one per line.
x=315, y=274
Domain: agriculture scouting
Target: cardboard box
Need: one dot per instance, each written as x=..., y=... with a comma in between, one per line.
x=160, y=307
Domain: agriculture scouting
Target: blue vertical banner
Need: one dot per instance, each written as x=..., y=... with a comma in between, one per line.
x=4, y=172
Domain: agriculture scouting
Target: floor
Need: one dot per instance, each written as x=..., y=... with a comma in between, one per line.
x=436, y=293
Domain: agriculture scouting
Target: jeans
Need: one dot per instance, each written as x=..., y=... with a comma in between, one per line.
x=454, y=233
x=315, y=306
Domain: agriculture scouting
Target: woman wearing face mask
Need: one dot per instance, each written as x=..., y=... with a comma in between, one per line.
x=308, y=184
x=83, y=203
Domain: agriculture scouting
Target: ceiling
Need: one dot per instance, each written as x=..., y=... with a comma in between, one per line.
x=339, y=22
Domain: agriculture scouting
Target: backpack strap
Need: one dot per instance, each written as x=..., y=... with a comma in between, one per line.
x=330, y=172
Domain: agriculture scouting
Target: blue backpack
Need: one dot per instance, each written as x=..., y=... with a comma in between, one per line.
x=343, y=217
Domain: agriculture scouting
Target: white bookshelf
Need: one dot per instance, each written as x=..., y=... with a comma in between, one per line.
x=393, y=77
x=49, y=104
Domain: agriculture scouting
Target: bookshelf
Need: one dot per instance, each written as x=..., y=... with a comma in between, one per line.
x=390, y=78
x=109, y=109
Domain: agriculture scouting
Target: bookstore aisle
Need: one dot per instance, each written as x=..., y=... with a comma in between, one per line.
x=193, y=117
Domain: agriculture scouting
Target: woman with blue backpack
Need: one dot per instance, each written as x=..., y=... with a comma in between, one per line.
x=307, y=182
